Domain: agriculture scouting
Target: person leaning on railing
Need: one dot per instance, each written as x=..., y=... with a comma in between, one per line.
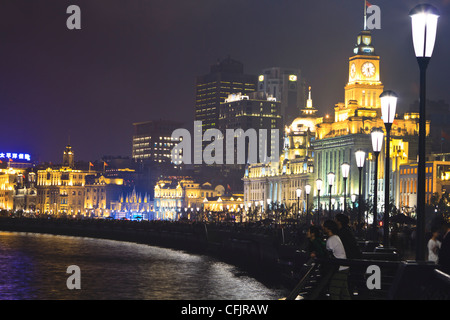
x=338, y=287
x=316, y=245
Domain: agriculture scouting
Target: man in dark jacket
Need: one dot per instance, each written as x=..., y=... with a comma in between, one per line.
x=351, y=247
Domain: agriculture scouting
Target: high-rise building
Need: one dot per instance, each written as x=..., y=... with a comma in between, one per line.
x=288, y=87
x=153, y=142
x=256, y=111
x=225, y=77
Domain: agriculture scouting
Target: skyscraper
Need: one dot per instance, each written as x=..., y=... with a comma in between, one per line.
x=288, y=87
x=256, y=111
x=152, y=140
x=225, y=77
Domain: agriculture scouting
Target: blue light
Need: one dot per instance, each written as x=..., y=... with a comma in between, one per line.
x=15, y=156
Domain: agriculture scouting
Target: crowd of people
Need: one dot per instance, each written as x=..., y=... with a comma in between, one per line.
x=336, y=239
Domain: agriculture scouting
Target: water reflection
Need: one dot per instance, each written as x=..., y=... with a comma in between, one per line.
x=33, y=266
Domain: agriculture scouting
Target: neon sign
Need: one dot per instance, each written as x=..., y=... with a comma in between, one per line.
x=15, y=156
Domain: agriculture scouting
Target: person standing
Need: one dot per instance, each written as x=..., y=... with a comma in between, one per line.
x=338, y=287
x=351, y=247
x=434, y=245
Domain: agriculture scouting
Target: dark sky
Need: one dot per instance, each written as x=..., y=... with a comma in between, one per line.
x=136, y=60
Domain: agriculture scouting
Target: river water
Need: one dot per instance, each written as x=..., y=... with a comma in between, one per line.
x=34, y=266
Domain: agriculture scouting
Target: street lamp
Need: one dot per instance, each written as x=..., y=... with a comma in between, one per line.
x=307, y=192
x=353, y=197
x=299, y=194
x=424, y=19
x=360, y=156
x=319, y=188
x=331, y=177
x=377, y=136
x=388, y=107
x=345, y=167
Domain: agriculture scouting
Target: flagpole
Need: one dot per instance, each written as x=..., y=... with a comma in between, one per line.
x=365, y=15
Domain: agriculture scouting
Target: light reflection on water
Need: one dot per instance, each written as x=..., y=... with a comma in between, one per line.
x=33, y=266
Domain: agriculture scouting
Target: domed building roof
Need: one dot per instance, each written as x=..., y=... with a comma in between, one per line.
x=303, y=124
x=307, y=119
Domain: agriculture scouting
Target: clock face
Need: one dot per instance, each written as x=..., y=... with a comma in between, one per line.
x=352, y=71
x=368, y=69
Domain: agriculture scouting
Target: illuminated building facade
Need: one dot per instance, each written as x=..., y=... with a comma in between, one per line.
x=232, y=203
x=177, y=197
x=338, y=137
x=153, y=142
x=288, y=87
x=278, y=181
x=132, y=204
x=437, y=180
x=25, y=193
x=100, y=191
x=61, y=190
x=17, y=189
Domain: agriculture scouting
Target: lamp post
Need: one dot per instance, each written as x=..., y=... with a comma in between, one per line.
x=360, y=156
x=377, y=136
x=353, y=197
x=345, y=167
x=424, y=19
x=388, y=107
x=331, y=177
x=307, y=192
x=299, y=194
x=319, y=188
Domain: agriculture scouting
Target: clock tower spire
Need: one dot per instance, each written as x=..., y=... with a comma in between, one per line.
x=364, y=86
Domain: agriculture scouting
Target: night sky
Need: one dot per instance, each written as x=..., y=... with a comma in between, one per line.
x=136, y=60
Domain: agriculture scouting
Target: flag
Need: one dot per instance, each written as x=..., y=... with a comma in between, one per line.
x=445, y=135
x=105, y=164
x=368, y=4
x=90, y=164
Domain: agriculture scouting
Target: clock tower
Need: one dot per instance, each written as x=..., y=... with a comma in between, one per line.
x=364, y=86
